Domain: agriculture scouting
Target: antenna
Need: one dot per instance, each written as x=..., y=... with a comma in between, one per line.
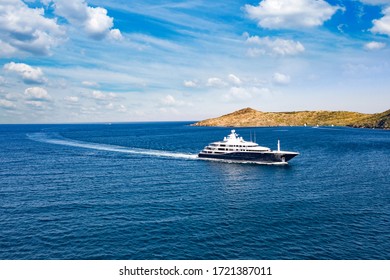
x=278, y=145
x=255, y=137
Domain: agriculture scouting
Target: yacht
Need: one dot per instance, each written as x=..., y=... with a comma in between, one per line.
x=235, y=148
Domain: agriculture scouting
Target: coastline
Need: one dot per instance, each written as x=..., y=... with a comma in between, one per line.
x=249, y=117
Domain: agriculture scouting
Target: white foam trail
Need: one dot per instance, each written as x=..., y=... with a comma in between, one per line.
x=43, y=137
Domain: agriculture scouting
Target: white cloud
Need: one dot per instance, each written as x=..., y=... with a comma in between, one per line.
x=290, y=14
x=266, y=45
x=71, y=99
x=29, y=75
x=115, y=34
x=93, y=20
x=37, y=104
x=190, y=84
x=168, y=100
x=382, y=25
x=98, y=95
x=97, y=24
x=171, y=101
x=215, y=82
x=374, y=46
x=90, y=84
x=37, y=94
x=234, y=79
x=6, y=104
x=26, y=30
x=120, y=108
x=281, y=79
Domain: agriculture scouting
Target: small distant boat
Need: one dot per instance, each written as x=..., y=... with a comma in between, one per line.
x=235, y=148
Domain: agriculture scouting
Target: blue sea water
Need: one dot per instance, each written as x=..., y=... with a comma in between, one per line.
x=137, y=191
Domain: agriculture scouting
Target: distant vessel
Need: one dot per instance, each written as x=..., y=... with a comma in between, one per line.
x=235, y=148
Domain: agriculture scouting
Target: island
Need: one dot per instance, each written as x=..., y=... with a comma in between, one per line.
x=249, y=117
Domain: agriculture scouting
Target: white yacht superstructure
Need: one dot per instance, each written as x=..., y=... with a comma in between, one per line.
x=235, y=148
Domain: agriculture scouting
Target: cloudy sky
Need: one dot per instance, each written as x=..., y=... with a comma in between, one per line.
x=115, y=60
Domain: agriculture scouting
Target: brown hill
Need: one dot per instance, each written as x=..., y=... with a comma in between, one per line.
x=249, y=117
x=381, y=120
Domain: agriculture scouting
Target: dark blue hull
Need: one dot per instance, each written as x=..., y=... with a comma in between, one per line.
x=252, y=157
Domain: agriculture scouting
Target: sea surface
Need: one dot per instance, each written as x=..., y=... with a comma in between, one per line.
x=138, y=191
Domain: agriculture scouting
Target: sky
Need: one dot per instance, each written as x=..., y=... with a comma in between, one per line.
x=67, y=61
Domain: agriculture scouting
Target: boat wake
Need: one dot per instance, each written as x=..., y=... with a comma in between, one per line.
x=53, y=138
